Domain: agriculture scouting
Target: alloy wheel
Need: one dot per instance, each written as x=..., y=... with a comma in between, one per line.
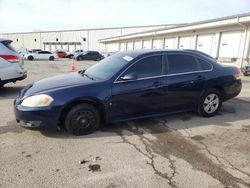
x=211, y=103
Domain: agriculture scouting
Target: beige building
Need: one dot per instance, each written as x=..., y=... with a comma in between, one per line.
x=227, y=39
x=87, y=39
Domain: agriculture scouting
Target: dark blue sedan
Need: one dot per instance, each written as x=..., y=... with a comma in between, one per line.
x=127, y=86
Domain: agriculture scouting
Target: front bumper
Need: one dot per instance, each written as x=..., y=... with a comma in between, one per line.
x=36, y=117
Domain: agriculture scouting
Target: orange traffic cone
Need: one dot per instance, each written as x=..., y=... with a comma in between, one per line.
x=73, y=65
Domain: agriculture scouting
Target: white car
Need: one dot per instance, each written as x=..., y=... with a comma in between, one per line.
x=11, y=64
x=41, y=55
x=74, y=53
x=22, y=51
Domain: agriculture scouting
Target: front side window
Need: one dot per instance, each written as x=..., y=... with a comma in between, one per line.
x=181, y=63
x=147, y=67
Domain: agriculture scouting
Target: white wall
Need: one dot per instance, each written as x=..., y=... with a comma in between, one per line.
x=229, y=44
x=92, y=36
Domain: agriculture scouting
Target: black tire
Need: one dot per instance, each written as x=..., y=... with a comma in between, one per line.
x=82, y=119
x=70, y=56
x=30, y=58
x=98, y=59
x=210, y=103
x=51, y=58
x=1, y=85
x=245, y=74
x=80, y=58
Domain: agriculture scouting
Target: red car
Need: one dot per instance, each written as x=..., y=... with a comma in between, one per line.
x=61, y=54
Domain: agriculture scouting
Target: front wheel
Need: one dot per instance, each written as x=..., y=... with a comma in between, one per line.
x=30, y=58
x=70, y=56
x=82, y=119
x=210, y=103
x=245, y=74
x=80, y=58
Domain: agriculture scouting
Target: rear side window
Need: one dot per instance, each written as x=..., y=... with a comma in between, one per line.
x=180, y=63
x=7, y=44
x=204, y=65
x=147, y=67
x=44, y=52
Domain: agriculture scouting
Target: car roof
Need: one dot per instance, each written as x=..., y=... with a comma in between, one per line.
x=1, y=40
x=137, y=53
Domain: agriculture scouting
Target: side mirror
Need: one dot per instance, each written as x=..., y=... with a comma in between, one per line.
x=129, y=77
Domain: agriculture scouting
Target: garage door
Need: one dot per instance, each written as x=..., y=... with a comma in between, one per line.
x=46, y=47
x=204, y=43
x=114, y=47
x=169, y=43
x=230, y=44
x=71, y=47
x=129, y=45
x=147, y=44
x=122, y=46
x=52, y=48
x=185, y=43
x=65, y=47
x=137, y=45
x=157, y=43
x=78, y=47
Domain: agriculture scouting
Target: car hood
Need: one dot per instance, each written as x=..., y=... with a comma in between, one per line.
x=58, y=82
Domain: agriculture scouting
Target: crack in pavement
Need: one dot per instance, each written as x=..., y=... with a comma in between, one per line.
x=172, y=143
x=149, y=154
x=219, y=158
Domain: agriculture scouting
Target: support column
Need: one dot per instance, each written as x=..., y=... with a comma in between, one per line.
x=177, y=41
x=216, y=45
x=246, y=49
x=194, y=42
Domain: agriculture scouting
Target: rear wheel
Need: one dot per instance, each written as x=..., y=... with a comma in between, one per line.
x=210, y=103
x=245, y=74
x=82, y=119
x=51, y=58
x=30, y=58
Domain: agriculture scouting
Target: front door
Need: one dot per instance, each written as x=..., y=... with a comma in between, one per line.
x=144, y=95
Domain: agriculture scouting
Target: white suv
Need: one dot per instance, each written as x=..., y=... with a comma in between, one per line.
x=11, y=64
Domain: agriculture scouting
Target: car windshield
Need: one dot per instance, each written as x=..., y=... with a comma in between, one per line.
x=109, y=66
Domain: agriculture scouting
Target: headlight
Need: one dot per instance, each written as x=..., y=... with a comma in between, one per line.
x=37, y=101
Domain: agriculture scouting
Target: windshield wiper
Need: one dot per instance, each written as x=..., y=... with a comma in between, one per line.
x=82, y=72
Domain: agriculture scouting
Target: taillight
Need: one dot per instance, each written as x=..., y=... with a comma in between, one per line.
x=11, y=58
x=238, y=73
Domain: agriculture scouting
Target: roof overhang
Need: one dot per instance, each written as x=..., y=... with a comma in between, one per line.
x=227, y=21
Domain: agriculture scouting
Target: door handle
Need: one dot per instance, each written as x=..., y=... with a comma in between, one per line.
x=200, y=78
x=157, y=84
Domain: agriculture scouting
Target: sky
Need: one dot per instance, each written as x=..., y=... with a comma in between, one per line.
x=44, y=15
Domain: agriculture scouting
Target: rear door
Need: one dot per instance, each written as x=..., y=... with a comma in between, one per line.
x=186, y=78
x=44, y=55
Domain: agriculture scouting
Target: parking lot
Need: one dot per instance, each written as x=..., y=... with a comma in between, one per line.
x=183, y=150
